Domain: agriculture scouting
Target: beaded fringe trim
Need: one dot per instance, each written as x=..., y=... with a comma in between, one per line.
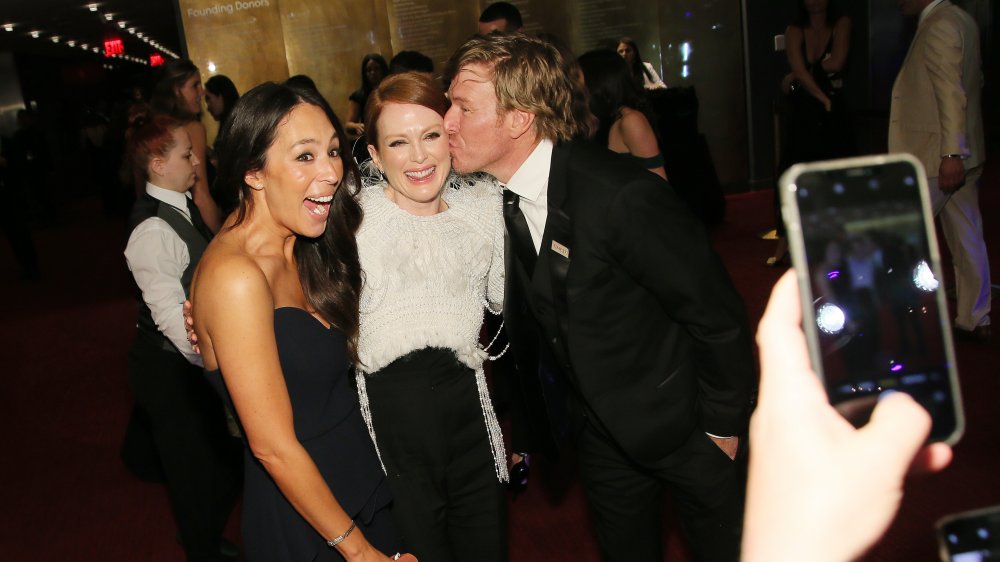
x=366, y=413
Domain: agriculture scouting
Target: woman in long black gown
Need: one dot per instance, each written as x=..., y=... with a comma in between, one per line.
x=817, y=126
x=276, y=314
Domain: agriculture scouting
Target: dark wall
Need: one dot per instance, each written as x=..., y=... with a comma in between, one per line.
x=764, y=20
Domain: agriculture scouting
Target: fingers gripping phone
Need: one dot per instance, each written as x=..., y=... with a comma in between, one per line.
x=972, y=536
x=862, y=239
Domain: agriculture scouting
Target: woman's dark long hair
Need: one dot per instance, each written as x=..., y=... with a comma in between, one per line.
x=833, y=13
x=328, y=265
x=223, y=87
x=638, y=70
x=366, y=86
x=611, y=88
x=170, y=77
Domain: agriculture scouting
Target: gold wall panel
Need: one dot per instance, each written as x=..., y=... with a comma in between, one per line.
x=242, y=40
x=690, y=42
x=433, y=27
x=703, y=47
x=326, y=40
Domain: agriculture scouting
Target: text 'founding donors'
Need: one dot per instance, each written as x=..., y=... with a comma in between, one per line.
x=220, y=9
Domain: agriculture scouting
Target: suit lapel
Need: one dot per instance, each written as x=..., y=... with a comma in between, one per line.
x=557, y=240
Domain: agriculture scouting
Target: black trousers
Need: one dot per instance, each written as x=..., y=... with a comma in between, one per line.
x=201, y=463
x=626, y=499
x=448, y=503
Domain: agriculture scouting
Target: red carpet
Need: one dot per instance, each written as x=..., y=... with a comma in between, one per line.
x=67, y=497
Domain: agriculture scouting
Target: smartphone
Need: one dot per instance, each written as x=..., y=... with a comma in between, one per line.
x=863, y=244
x=972, y=536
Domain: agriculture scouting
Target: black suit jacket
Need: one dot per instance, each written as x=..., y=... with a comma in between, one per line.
x=635, y=307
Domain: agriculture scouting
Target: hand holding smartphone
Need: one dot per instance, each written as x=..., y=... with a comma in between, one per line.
x=862, y=240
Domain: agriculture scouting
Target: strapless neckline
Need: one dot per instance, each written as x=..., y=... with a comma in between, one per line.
x=281, y=309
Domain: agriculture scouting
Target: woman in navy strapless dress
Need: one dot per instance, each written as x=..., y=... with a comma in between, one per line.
x=276, y=314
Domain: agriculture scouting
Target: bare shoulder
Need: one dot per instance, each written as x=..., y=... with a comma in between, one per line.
x=195, y=126
x=632, y=118
x=225, y=272
x=196, y=130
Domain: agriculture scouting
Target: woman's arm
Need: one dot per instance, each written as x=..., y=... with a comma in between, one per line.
x=639, y=138
x=354, y=124
x=240, y=341
x=201, y=194
x=794, y=38
x=652, y=80
x=841, y=46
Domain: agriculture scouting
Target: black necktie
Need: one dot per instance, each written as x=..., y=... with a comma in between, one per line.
x=517, y=229
x=196, y=220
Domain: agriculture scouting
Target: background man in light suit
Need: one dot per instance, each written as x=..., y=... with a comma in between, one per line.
x=613, y=288
x=936, y=116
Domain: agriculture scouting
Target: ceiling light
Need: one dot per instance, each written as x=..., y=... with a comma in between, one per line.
x=8, y=26
x=71, y=43
x=131, y=30
x=35, y=34
x=92, y=7
x=55, y=38
x=96, y=50
x=109, y=16
x=139, y=35
x=84, y=46
x=121, y=24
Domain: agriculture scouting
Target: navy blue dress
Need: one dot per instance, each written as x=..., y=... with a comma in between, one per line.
x=328, y=423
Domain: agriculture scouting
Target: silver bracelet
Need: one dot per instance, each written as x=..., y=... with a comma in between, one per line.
x=337, y=540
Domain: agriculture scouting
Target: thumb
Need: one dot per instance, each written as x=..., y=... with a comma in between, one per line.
x=897, y=431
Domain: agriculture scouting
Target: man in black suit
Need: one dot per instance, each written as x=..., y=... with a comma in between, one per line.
x=613, y=291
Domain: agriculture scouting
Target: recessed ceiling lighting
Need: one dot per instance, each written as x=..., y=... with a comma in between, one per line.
x=121, y=24
x=96, y=50
x=35, y=34
x=71, y=43
x=131, y=30
x=8, y=26
x=109, y=16
x=55, y=38
x=92, y=7
x=84, y=46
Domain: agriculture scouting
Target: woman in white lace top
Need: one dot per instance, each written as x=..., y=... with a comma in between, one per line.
x=431, y=248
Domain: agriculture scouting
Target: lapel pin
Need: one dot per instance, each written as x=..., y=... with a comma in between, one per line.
x=560, y=249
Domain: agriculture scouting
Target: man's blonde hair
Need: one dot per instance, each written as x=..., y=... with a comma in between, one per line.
x=528, y=74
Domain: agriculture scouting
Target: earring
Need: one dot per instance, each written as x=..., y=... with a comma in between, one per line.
x=259, y=187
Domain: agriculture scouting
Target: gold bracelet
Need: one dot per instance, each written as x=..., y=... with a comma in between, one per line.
x=334, y=542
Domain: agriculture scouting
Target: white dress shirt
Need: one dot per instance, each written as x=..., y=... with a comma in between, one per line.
x=531, y=183
x=157, y=258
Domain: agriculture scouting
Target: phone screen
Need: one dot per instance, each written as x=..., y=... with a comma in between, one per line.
x=878, y=310
x=971, y=537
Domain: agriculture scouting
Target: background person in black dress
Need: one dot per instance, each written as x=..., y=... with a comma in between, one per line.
x=373, y=70
x=817, y=126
